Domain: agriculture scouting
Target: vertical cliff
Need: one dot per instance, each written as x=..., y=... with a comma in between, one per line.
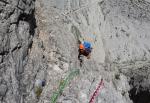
x=16, y=33
x=39, y=41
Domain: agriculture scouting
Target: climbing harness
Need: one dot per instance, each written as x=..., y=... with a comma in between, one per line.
x=63, y=84
x=95, y=94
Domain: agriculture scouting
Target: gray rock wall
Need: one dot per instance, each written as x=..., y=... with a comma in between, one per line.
x=126, y=33
x=38, y=41
x=59, y=27
x=16, y=32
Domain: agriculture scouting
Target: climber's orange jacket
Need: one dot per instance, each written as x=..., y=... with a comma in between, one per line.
x=81, y=47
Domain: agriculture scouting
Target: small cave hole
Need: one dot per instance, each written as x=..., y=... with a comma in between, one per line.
x=29, y=18
x=24, y=17
x=139, y=95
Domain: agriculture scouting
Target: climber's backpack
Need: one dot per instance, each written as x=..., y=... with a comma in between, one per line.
x=87, y=46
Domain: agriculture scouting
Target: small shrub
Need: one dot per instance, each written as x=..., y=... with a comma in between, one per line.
x=38, y=91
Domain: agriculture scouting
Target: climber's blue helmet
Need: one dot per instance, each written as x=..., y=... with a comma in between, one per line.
x=87, y=45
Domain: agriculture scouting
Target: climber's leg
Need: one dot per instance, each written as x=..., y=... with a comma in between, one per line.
x=81, y=60
x=88, y=56
x=80, y=57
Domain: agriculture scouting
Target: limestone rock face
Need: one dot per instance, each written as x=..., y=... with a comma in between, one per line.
x=126, y=33
x=16, y=32
x=39, y=41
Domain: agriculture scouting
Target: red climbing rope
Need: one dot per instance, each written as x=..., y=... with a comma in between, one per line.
x=96, y=91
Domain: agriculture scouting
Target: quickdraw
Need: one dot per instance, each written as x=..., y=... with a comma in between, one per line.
x=95, y=94
x=63, y=84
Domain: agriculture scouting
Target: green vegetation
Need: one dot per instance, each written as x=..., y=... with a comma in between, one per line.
x=38, y=91
x=63, y=84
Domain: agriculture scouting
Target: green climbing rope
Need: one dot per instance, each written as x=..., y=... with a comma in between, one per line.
x=63, y=84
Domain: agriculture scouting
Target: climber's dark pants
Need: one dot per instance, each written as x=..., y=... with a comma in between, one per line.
x=82, y=53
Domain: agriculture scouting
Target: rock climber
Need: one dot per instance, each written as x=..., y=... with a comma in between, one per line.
x=85, y=49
